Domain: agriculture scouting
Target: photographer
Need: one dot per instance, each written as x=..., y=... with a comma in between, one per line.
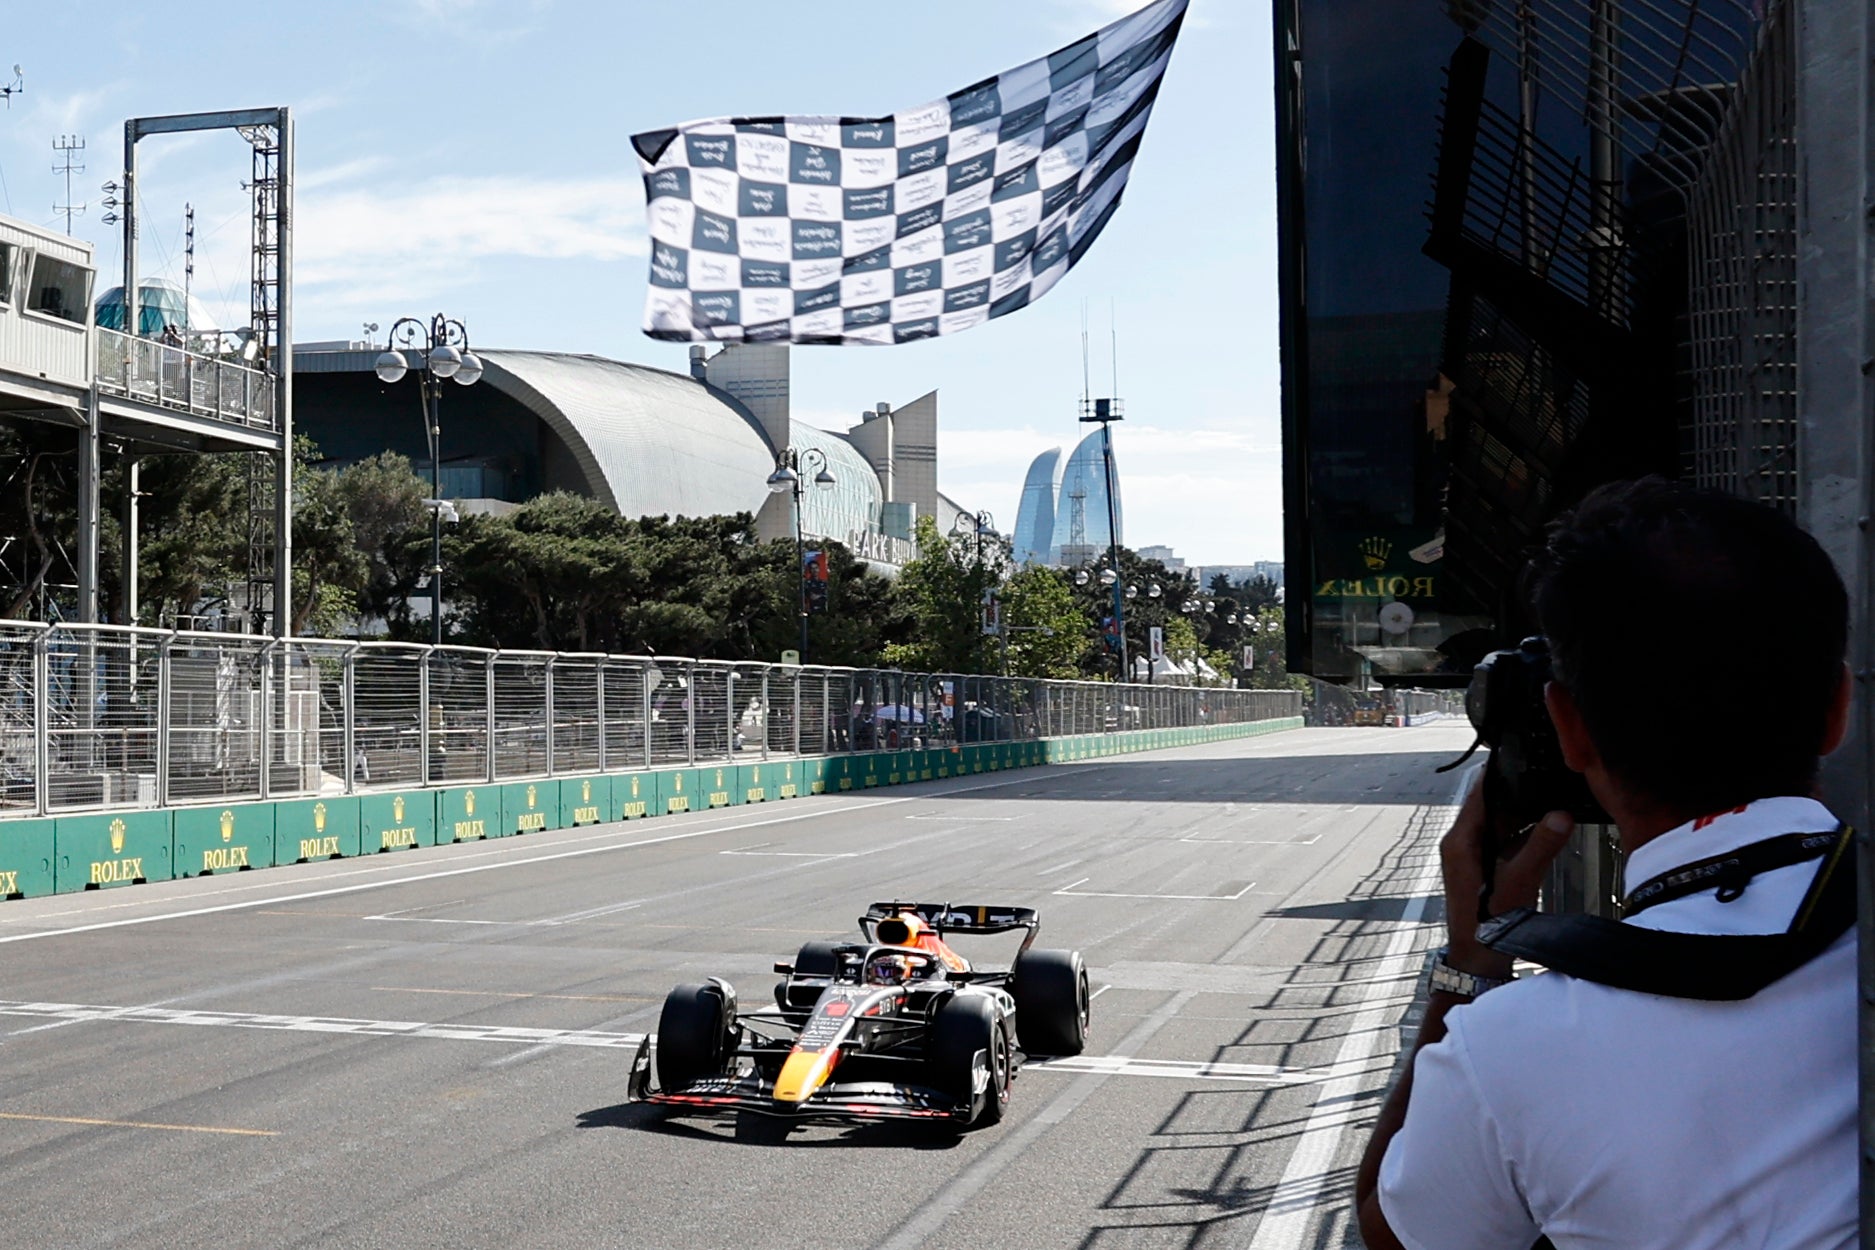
x=1595, y=1114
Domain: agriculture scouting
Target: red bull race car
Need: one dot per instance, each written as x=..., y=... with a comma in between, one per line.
x=896, y=1026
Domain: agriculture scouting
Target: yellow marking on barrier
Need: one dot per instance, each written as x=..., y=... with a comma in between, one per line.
x=570, y=998
x=171, y=1128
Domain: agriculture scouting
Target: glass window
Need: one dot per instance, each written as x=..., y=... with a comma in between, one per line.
x=9, y=257
x=58, y=288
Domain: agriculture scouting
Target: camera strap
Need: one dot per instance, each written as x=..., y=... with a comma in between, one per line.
x=1731, y=872
x=1708, y=967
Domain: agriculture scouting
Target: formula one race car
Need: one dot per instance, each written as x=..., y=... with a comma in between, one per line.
x=898, y=1026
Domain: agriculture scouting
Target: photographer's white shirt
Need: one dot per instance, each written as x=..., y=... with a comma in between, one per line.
x=1622, y=1121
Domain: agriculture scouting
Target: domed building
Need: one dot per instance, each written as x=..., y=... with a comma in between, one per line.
x=161, y=305
x=646, y=441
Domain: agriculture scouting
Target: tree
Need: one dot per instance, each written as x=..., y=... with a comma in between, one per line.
x=383, y=498
x=1047, y=630
x=942, y=592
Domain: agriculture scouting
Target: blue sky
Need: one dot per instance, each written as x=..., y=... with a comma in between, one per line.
x=472, y=158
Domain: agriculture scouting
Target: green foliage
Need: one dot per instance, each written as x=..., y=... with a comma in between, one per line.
x=563, y=572
x=1048, y=632
x=941, y=592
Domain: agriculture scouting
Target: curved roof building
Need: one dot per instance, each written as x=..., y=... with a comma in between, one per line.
x=647, y=442
x=1081, y=529
x=1035, y=515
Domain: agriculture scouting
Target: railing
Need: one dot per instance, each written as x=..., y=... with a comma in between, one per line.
x=108, y=716
x=193, y=382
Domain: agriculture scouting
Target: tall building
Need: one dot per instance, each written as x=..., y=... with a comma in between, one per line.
x=1035, y=516
x=1063, y=518
x=1082, y=529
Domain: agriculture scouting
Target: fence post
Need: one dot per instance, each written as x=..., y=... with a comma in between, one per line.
x=794, y=680
x=423, y=717
x=488, y=719
x=551, y=661
x=768, y=707
x=348, y=718
x=690, y=714
x=42, y=722
x=644, y=687
x=164, y=690
x=599, y=702
x=266, y=718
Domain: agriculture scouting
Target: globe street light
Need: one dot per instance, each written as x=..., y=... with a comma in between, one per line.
x=786, y=480
x=444, y=344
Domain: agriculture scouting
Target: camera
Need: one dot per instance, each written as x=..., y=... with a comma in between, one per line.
x=1526, y=777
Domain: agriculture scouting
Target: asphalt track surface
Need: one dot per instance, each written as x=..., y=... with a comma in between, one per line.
x=429, y=1049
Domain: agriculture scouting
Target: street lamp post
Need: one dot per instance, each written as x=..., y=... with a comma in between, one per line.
x=789, y=466
x=445, y=347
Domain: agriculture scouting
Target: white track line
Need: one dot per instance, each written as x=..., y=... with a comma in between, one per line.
x=1306, y=1180
x=546, y=1039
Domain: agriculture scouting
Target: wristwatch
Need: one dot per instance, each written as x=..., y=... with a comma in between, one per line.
x=1466, y=984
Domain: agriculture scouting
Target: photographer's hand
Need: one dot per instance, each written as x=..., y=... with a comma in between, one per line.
x=1515, y=883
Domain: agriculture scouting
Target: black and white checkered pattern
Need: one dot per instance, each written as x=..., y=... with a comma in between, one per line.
x=888, y=229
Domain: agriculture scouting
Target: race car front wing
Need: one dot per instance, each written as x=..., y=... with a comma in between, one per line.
x=849, y=1100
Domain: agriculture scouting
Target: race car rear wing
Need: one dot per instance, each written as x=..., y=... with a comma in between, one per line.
x=958, y=918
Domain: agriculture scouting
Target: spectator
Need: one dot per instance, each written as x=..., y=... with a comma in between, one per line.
x=1603, y=1117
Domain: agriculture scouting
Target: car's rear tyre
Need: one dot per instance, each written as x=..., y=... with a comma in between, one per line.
x=1050, y=989
x=817, y=959
x=696, y=1032
x=964, y=1026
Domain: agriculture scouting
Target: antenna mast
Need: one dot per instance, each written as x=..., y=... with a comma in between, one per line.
x=67, y=147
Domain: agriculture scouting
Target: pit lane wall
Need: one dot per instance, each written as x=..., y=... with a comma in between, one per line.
x=118, y=847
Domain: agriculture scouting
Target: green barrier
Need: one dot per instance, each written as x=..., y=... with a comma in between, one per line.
x=678, y=791
x=721, y=786
x=786, y=780
x=223, y=839
x=111, y=848
x=927, y=763
x=868, y=770
x=397, y=822
x=26, y=854
x=635, y=796
x=818, y=776
x=757, y=783
x=469, y=813
x=307, y=829
x=530, y=806
x=944, y=761
x=584, y=800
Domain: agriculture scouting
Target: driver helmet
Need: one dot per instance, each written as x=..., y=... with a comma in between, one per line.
x=888, y=970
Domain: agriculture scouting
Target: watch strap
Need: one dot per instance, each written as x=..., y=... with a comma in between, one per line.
x=1466, y=984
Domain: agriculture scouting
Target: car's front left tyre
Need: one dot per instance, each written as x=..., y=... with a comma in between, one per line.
x=964, y=1027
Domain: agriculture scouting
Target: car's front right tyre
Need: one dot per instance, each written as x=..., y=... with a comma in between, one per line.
x=695, y=1035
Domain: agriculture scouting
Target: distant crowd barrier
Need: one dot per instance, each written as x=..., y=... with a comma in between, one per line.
x=134, y=754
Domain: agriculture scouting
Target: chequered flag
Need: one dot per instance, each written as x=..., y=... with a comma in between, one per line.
x=887, y=229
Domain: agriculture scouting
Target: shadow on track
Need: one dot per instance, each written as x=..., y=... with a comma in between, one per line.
x=1388, y=777
x=749, y=1129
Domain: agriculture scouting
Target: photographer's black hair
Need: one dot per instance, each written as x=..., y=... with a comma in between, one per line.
x=1701, y=636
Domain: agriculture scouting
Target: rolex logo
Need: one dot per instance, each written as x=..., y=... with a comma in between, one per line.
x=680, y=782
x=634, y=787
x=530, y=798
x=397, y=810
x=585, y=791
x=319, y=817
x=1374, y=552
x=756, y=776
x=117, y=837
x=719, y=778
x=468, y=803
x=227, y=825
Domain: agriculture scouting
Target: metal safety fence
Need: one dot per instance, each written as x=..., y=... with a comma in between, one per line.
x=98, y=716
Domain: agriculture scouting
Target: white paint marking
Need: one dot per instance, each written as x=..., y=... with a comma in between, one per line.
x=537, y=1040
x=394, y=918
x=1306, y=1181
x=1071, y=892
x=1255, y=841
x=793, y=854
x=1097, y=993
